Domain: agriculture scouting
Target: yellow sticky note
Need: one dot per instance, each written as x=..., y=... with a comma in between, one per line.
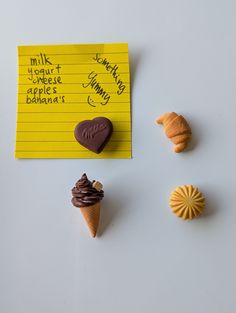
x=62, y=85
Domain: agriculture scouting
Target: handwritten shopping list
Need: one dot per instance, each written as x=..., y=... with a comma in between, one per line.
x=62, y=85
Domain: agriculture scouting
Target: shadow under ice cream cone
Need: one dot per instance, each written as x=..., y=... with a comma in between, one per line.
x=87, y=196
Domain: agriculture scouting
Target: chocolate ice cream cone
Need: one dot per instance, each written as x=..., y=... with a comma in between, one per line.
x=91, y=215
x=87, y=196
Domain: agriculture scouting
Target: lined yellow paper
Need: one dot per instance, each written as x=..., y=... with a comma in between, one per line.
x=61, y=85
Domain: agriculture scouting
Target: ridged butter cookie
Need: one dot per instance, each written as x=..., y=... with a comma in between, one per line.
x=187, y=202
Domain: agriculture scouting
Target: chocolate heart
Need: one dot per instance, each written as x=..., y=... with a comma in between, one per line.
x=94, y=134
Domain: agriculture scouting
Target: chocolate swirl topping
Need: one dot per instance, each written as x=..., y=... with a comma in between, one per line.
x=84, y=194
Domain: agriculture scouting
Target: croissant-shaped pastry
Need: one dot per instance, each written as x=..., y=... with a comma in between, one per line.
x=177, y=129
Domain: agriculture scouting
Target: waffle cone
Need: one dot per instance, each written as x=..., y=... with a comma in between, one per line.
x=91, y=215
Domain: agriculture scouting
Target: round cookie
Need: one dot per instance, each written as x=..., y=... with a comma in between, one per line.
x=187, y=202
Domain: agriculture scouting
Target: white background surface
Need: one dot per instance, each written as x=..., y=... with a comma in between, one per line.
x=182, y=56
